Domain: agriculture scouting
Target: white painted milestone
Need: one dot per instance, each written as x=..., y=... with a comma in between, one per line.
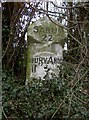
x=45, y=49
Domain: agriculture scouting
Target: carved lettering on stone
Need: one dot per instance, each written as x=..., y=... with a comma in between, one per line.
x=44, y=49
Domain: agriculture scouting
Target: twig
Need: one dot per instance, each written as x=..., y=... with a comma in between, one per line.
x=79, y=99
x=69, y=108
x=66, y=29
x=4, y=114
x=66, y=7
x=64, y=16
x=57, y=109
x=79, y=79
x=75, y=38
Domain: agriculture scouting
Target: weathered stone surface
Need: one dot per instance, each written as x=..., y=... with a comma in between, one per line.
x=45, y=48
x=43, y=31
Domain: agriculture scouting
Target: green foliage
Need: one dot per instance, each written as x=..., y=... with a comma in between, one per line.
x=58, y=98
x=61, y=98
